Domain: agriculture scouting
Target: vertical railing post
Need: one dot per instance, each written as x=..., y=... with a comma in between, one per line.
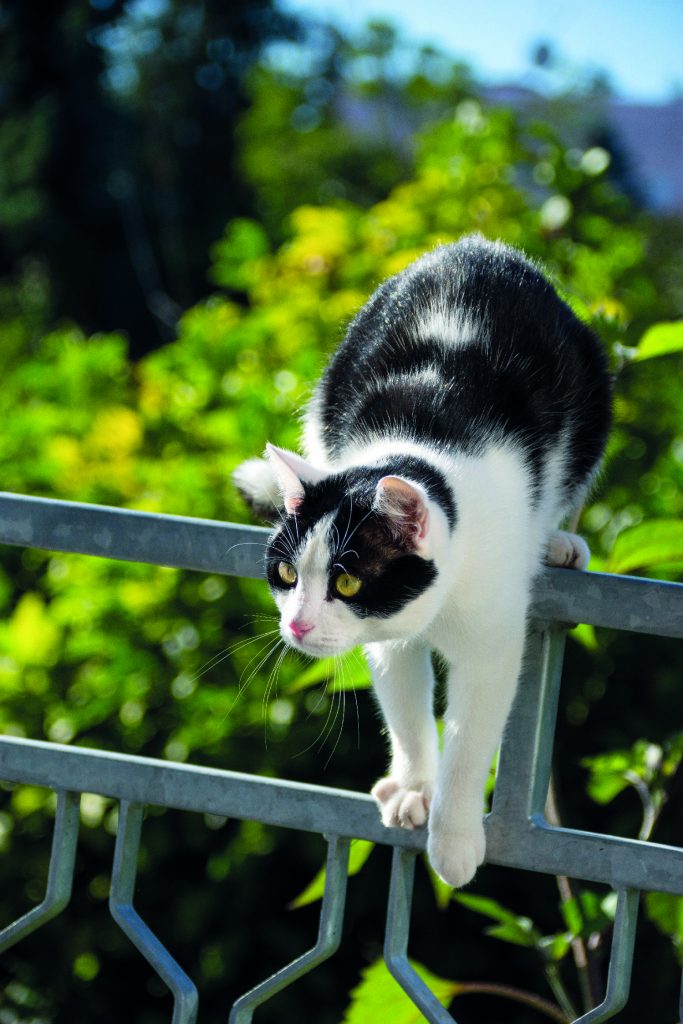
x=526, y=752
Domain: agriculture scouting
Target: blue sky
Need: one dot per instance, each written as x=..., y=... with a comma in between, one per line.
x=639, y=43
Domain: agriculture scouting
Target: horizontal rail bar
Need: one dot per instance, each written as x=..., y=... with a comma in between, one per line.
x=562, y=595
x=149, y=781
x=532, y=845
x=616, y=602
x=179, y=542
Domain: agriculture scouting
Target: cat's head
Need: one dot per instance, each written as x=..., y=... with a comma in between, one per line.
x=354, y=557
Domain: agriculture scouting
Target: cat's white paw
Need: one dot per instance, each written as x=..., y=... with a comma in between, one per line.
x=456, y=854
x=567, y=550
x=401, y=806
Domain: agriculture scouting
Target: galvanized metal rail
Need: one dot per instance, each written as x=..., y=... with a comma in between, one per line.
x=518, y=836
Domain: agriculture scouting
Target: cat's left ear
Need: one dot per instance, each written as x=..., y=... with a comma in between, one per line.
x=404, y=503
x=292, y=473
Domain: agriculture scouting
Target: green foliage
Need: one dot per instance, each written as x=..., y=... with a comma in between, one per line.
x=666, y=911
x=511, y=927
x=660, y=340
x=647, y=767
x=379, y=997
x=358, y=855
x=342, y=672
x=655, y=543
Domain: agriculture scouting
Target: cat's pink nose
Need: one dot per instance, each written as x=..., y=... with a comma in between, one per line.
x=300, y=628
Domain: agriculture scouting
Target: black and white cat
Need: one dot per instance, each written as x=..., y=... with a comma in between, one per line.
x=460, y=421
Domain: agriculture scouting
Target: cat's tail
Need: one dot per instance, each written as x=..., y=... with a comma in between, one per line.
x=257, y=482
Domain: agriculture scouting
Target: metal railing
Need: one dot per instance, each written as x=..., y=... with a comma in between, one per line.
x=518, y=835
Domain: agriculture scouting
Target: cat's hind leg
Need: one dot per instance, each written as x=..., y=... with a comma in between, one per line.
x=403, y=682
x=566, y=550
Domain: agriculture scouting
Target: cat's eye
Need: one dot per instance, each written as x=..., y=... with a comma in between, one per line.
x=287, y=573
x=347, y=585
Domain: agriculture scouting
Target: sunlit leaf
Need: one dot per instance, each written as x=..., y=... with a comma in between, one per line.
x=513, y=927
x=666, y=911
x=359, y=853
x=654, y=542
x=378, y=997
x=520, y=932
x=585, y=635
x=32, y=633
x=660, y=340
x=556, y=947
x=344, y=672
x=442, y=891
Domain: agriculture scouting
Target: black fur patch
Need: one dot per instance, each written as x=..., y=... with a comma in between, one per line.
x=531, y=371
x=362, y=543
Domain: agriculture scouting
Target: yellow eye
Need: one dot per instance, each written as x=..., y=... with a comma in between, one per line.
x=347, y=585
x=287, y=573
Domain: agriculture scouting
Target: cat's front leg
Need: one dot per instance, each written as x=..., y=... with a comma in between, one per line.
x=404, y=682
x=481, y=688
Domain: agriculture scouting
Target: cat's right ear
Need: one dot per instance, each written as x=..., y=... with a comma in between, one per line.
x=292, y=473
x=404, y=504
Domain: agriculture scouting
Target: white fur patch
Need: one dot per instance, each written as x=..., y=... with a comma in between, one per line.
x=442, y=323
x=257, y=480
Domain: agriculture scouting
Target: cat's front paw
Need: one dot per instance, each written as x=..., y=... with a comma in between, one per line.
x=402, y=806
x=455, y=855
x=567, y=550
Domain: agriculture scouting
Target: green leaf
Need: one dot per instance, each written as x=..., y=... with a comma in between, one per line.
x=442, y=890
x=607, y=778
x=244, y=243
x=359, y=853
x=608, y=905
x=520, y=932
x=612, y=772
x=655, y=542
x=666, y=911
x=588, y=913
x=512, y=928
x=585, y=635
x=660, y=340
x=571, y=913
x=556, y=947
x=378, y=997
x=485, y=905
x=346, y=672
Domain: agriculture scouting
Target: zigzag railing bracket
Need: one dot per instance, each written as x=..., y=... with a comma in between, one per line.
x=329, y=935
x=396, y=939
x=185, y=998
x=620, y=961
x=60, y=872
